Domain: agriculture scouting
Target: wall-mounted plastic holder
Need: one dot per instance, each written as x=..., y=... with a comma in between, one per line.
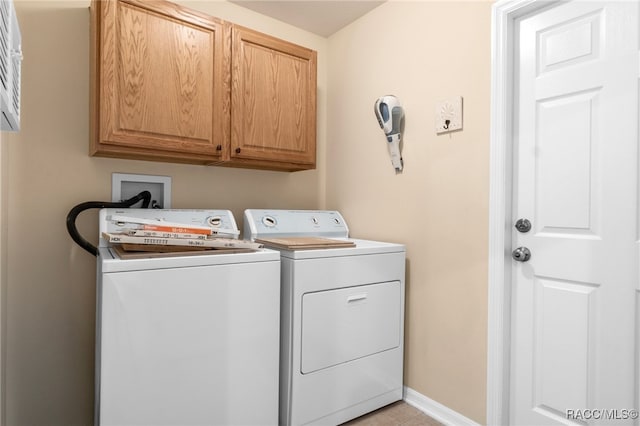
x=449, y=115
x=125, y=186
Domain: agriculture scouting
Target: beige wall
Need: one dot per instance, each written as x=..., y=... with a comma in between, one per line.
x=437, y=207
x=4, y=141
x=422, y=52
x=51, y=281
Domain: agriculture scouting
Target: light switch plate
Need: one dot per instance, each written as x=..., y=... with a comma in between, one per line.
x=449, y=115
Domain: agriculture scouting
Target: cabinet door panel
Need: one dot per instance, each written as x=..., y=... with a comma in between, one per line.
x=162, y=81
x=273, y=100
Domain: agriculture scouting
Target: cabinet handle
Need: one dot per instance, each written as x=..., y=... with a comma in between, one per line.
x=219, y=148
x=238, y=150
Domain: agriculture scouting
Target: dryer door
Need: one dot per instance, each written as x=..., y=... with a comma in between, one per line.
x=349, y=323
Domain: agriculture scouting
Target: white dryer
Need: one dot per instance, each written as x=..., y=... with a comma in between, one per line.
x=186, y=340
x=342, y=319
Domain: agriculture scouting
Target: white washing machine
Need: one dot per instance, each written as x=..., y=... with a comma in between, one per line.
x=186, y=339
x=342, y=319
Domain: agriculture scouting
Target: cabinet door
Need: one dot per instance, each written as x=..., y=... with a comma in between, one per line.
x=160, y=82
x=273, y=102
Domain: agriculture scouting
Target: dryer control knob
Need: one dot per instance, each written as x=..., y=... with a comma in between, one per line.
x=269, y=221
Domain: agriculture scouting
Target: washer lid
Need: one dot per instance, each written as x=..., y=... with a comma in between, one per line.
x=110, y=262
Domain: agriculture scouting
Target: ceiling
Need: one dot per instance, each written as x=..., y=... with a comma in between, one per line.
x=322, y=17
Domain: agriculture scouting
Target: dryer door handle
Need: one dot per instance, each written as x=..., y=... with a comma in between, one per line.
x=356, y=297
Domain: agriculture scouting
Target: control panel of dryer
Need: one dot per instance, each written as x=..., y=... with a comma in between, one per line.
x=293, y=223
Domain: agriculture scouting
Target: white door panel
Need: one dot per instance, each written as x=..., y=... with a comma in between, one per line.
x=574, y=303
x=565, y=203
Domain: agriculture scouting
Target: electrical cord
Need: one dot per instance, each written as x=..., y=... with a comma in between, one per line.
x=145, y=196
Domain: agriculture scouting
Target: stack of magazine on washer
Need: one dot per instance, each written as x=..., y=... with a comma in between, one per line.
x=140, y=234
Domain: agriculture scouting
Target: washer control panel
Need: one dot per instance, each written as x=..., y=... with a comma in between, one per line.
x=119, y=220
x=293, y=223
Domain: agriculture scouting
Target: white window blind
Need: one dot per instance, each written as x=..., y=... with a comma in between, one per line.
x=10, y=67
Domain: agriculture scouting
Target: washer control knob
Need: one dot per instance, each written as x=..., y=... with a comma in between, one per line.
x=214, y=221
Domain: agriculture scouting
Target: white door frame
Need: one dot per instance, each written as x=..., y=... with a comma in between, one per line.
x=504, y=16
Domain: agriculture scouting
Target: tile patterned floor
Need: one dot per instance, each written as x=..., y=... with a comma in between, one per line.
x=397, y=414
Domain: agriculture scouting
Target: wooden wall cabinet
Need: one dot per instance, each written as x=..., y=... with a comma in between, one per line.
x=175, y=85
x=160, y=78
x=273, y=102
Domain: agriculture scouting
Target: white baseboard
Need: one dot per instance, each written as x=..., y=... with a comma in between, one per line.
x=436, y=410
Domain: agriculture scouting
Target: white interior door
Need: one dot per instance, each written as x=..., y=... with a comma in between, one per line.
x=575, y=301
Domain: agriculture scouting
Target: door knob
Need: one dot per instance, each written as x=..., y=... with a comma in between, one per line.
x=523, y=225
x=521, y=254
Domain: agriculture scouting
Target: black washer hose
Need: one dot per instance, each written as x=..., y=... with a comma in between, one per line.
x=145, y=196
